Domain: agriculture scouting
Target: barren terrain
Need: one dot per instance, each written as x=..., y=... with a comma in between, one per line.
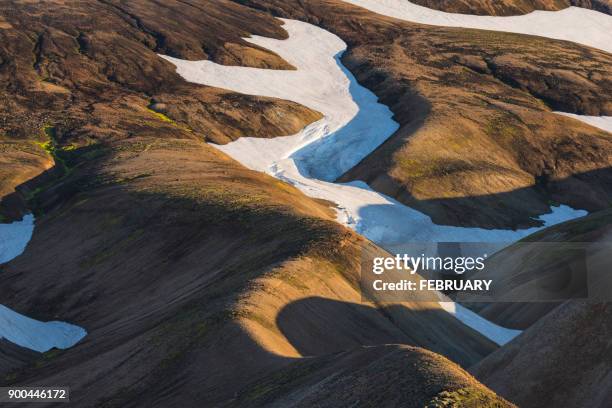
x=203, y=283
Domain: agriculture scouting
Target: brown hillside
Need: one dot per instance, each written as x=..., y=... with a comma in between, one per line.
x=189, y=272
x=563, y=359
x=478, y=144
x=180, y=264
x=78, y=70
x=548, y=261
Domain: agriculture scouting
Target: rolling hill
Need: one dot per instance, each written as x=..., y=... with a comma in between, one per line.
x=201, y=282
x=187, y=270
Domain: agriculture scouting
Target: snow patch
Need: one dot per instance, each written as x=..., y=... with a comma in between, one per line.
x=498, y=334
x=579, y=25
x=354, y=124
x=14, y=237
x=35, y=335
x=20, y=329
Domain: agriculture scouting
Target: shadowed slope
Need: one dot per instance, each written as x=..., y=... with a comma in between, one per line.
x=563, y=357
x=562, y=360
x=171, y=251
x=366, y=376
x=553, y=250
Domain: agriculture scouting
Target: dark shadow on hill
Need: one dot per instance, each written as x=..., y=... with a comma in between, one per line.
x=564, y=360
x=153, y=278
x=523, y=264
x=13, y=357
x=383, y=376
x=517, y=209
x=57, y=184
x=316, y=326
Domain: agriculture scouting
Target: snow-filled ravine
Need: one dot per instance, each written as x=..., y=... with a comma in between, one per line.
x=20, y=329
x=354, y=124
x=579, y=25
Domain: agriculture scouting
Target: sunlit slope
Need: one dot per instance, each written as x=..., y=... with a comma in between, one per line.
x=366, y=375
x=579, y=25
x=53, y=71
x=478, y=143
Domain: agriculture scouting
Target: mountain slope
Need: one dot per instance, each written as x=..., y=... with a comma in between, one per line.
x=562, y=360
x=423, y=379
x=563, y=357
x=187, y=270
x=178, y=259
x=544, y=256
x=478, y=144
x=99, y=59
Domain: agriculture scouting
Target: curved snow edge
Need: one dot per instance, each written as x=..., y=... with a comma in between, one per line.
x=35, y=335
x=14, y=237
x=17, y=328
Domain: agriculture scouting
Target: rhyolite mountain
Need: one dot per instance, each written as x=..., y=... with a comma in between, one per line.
x=203, y=283
x=562, y=360
x=547, y=257
x=77, y=83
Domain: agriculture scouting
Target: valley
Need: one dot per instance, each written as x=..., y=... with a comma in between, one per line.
x=342, y=138
x=223, y=169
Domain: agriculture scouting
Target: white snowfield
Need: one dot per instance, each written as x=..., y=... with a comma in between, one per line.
x=493, y=332
x=579, y=25
x=20, y=329
x=354, y=124
x=14, y=237
x=35, y=335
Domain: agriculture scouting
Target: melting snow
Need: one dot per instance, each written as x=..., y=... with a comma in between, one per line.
x=19, y=329
x=14, y=237
x=35, y=335
x=498, y=334
x=354, y=124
